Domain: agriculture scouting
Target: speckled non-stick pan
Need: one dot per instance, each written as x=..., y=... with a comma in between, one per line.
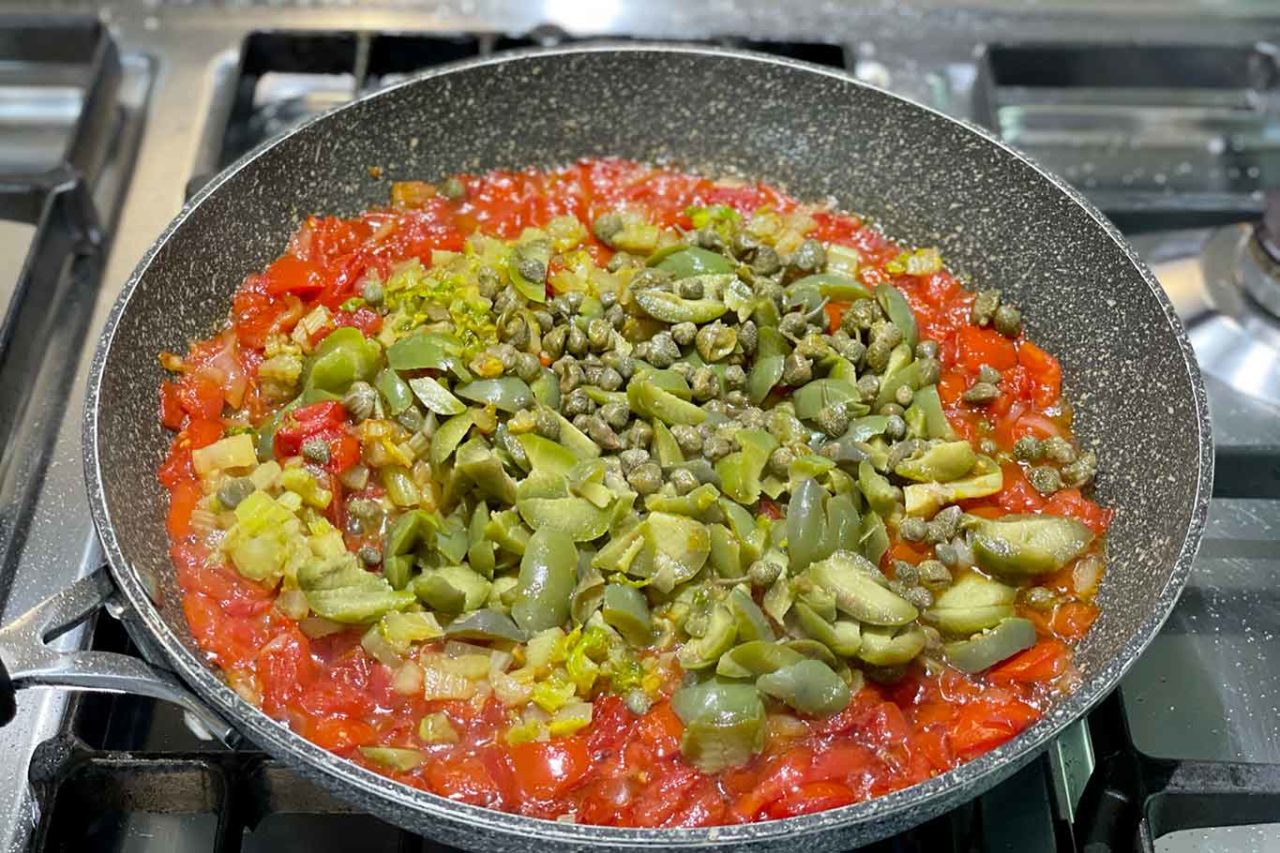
x=999, y=220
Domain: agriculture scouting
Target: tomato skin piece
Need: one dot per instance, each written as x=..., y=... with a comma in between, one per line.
x=290, y=274
x=1044, y=661
x=200, y=396
x=543, y=770
x=810, y=798
x=1073, y=619
x=172, y=414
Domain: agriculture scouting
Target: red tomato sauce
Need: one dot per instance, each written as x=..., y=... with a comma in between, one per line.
x=623, y=769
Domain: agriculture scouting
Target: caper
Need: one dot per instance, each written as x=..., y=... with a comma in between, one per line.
x=1040, y=598
x=316, y=450
x=684, y=333
x=663, y=350
x=765, y=261
x=576, y=343
x=929, y=371
x=621, y=261
x=369, y=555
x=690, y=288
x=918, y=596
x=833, y=420
x=527, y=366
x=488, y=282
x=684, y=481
x=709, y=238
x=570, y=374
x=577, y=403
x=946, y=554
x=715, y=341
x=877, y=357
x=895, y=427
x=645, y=479
x=891, y=409
x=987, y=373
x=548, y=424
x=903, y=395
x=849, y=348
x=716, y=448
x=553, y=342
x=764, y=572
x=625, y=365
x=688, y=439
x=234, y=490
x=1027, y=449
x=639, y=435
x=606, y=227
x=985, y=305
x=868, y=387
x=748, y=336
x=599, y=334
x=616, y=415
x=735, y=377
x=927, y=349
x=981, y=393
x=632, y=458
x=371, y=292
x=1082, y=470
x=934, y=573
x=796, y=370
x=810, y=256
x=945, y=524
x=912, y=529
x=1058, y=449
x=601, y=433
x=780, y=461
x=1008, y=321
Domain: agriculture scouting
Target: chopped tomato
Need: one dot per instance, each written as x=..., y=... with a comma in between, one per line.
x=835, y=313
x=985, y=346
x=319, y=421
x=1044, y=661
x=813, y=797
x=183, y=498
x=172, y=414
x=369, y=322
x=545, y=770
x=1072, y=620
x=200, y=397
x=289, y=274
x=1070, y=502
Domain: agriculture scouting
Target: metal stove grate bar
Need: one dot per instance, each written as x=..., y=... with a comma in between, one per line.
x=46, y=318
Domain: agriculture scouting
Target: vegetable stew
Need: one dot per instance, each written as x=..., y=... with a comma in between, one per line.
x=615, y=494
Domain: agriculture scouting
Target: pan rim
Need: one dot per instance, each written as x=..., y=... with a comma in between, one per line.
x=925, y=798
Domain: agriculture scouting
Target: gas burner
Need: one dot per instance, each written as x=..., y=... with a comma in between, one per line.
x=1228, y=296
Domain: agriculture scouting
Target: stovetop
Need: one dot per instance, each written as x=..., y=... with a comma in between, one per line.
x=1165, y=115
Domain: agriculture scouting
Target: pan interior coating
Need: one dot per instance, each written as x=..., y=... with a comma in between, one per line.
x=998, y=220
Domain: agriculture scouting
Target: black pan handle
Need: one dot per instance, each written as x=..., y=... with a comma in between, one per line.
x=8, y=696
x=26, y=659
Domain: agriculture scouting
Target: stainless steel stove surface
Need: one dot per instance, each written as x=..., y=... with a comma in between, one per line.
x=1167, y=115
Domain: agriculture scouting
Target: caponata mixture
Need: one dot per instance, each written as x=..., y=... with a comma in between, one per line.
x=620, y=495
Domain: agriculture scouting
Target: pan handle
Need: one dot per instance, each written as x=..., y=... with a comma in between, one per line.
x=26, y=659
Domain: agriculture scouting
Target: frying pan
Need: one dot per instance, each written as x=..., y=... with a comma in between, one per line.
x=999, y=220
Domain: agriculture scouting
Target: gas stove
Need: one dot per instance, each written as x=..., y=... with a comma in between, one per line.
x=1169, y=119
